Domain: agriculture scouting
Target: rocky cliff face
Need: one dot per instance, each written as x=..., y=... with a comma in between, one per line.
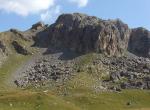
x=82, y=33
x=139, y=42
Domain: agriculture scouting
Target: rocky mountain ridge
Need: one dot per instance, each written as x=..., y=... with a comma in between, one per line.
x=83, y=34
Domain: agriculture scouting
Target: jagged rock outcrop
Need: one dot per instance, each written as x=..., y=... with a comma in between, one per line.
x=82, y=33
x=2, y=47
x=139, y=42
x=38, y=25
x=20, y=49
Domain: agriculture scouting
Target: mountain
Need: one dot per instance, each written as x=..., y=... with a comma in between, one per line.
x=77, y=53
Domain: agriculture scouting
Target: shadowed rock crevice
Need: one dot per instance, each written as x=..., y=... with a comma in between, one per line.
x=41, y=39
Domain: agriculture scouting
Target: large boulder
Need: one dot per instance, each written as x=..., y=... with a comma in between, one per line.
x=139, y=42
x=82, y=33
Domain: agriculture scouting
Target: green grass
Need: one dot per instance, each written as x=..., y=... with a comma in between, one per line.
x=86, y=59
x=25, y=100
x=111, y=101
x=79, y=100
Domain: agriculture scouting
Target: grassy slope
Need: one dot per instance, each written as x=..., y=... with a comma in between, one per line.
x=80, y=96
x=13, y=60
x=111, y=101
x=80, y=100
x=11, y=64
x=80, y=92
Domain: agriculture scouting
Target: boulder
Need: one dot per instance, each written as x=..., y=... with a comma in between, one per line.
x=124, y=85
x=115, y=76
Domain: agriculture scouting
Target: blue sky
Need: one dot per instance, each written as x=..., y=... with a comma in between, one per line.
x=21, y=14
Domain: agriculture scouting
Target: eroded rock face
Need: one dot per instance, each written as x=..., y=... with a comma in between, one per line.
x=139, y=42
x=20, y=49
x=82, y=33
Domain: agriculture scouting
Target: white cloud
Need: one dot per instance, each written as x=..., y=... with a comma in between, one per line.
x=48, y=10
x=50, y=14
x=80, y=3
x=25, y=7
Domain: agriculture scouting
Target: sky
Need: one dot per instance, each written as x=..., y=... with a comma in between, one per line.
x=21, y=14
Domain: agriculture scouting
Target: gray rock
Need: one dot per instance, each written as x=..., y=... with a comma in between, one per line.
x=139, y=42
x=115, y=76
x=82, y=33
x=20, y=49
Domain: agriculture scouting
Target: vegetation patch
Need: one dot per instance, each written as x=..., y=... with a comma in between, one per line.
x=27, y=100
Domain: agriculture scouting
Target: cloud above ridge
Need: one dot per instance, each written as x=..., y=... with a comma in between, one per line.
x=50, y=14
x=45, y=8
x=80, y=3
